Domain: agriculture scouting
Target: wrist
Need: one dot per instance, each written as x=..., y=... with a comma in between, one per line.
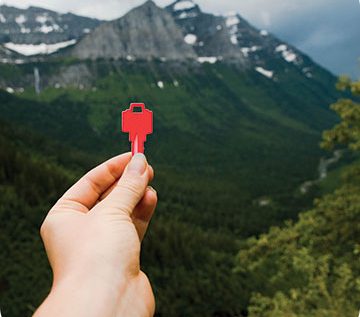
x=80, y=294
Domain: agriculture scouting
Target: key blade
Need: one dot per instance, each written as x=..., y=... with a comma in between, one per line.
x=137, y=146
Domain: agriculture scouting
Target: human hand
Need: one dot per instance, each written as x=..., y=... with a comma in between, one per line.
x=92, y=238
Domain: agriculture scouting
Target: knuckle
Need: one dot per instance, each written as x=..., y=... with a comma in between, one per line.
x=44, y=228
x=133, y=187
x=119, y=210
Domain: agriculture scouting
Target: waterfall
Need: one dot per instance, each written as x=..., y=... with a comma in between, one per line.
x=37, y=80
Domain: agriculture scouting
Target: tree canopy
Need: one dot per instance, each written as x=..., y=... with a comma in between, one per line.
x=312, y=267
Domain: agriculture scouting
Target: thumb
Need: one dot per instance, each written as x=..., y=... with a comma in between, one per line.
x=130, y=188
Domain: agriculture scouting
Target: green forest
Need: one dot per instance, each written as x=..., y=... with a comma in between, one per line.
x=212, y=248
x=311, y=267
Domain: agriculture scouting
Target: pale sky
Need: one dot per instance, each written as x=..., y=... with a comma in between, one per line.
x=327, y=30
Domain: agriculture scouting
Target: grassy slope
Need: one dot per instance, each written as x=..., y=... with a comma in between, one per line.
x=238, y=128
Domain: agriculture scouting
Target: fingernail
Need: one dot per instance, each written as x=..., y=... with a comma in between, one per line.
x=152, y=189
x=138, y=164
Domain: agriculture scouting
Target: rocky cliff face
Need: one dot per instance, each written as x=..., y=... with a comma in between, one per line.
x=8, y=56
x=146, y=32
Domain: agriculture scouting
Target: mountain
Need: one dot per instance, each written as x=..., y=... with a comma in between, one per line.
x=232, y=37
x=36, y=30
x=181, y=31
x=146, y=32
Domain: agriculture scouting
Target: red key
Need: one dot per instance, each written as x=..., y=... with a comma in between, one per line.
x=138, y=125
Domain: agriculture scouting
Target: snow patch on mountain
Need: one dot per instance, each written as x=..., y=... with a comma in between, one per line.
x=186, y=15
x=10, y=90
x=25, y=30
x=190, y=39
x=265, y=72
x=247, y=50
x=49, y=28
x=42, y=19
x=38, y=49
x=184, y=5
x=289, y=56
x=205, y=59
x=234, y=39
x=29, y=26
x=280, y=48
x=286, y=53
x=264, y=33
x=45, y=29
x=47, y=24
x=2, y=19
x=232, y=19
x=21, y=19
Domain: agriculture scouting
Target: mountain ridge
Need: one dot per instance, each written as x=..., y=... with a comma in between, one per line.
x=145, y=32
x=205, y=38
x=212, y=38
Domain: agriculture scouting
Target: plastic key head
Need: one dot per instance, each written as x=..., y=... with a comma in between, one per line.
x=139, y=124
